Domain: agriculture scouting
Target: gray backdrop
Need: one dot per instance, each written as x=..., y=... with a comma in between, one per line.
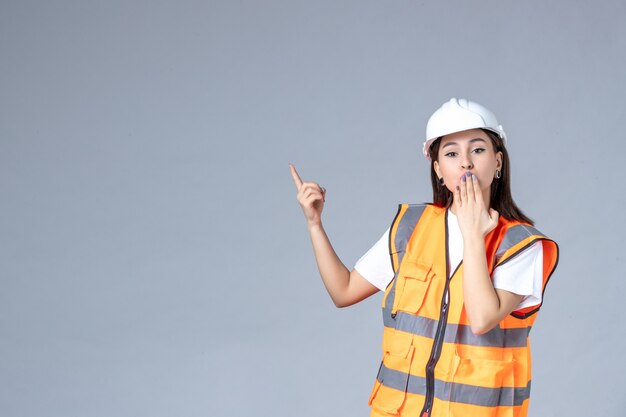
x=154, y=260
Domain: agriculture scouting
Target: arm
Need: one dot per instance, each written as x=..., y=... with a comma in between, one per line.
x=485, y=306
x=344, y=287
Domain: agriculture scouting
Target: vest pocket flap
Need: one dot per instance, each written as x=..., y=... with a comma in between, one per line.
x=418, y=271
x=413, y=283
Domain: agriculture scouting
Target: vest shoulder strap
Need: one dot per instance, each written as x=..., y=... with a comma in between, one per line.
x=518, y=237
x=402, y=227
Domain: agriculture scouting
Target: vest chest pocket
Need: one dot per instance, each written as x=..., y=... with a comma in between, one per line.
x=414, y=278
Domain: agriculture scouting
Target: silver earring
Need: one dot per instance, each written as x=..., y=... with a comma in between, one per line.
x=498, y=174
x=441, y=183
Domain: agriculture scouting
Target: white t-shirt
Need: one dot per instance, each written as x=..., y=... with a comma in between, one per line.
x=521, y=275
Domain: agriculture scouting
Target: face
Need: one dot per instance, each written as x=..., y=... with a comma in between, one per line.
x=467, y=151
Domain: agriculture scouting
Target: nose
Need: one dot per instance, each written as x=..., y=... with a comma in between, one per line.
x=466, y=164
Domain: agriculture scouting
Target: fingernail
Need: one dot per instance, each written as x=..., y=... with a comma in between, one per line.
x=463, y=178
x=458, y=188
x=474, y=177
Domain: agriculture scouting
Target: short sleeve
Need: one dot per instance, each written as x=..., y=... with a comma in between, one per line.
x=375, y=266
x=523, y=275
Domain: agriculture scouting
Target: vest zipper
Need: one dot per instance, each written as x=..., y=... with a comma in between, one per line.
x=439, y=335
x=436, y=351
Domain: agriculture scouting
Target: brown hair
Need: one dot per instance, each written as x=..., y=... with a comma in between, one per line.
x=500, y=199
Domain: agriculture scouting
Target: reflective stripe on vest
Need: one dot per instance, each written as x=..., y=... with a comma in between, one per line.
x=459, y=333
x=449, y=391
x=471, y=374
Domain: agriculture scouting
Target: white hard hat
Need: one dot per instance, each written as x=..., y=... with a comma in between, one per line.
x=457, y=115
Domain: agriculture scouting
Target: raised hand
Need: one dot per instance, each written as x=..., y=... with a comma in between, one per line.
x=475, y=218
x=311, y=197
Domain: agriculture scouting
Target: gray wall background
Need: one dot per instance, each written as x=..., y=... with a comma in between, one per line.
x=154, y=260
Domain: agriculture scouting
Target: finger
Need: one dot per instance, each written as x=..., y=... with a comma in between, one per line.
x=457, y=196
x=471, y=196
x=304, y=191
x=312, y=198
x=478, y=191
x=312, y=186
x=296, y=178
x=309, y=192
x=463, y=190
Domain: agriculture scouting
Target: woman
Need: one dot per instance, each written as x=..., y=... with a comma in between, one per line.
x=463, y=278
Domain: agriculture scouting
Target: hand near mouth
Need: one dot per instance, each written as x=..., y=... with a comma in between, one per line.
x=474, y=218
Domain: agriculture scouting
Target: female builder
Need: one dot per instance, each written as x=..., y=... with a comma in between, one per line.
x=463, y=278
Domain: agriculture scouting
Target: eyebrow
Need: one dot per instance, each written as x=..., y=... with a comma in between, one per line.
x=471, y=141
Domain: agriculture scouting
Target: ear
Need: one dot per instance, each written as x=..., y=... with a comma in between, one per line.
x=436, y=168
x=499, y=160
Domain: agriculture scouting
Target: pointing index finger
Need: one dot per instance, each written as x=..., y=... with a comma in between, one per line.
x=296, y=178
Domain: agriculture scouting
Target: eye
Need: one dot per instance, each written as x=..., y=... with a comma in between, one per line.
x=479, y=150
x=451, y=154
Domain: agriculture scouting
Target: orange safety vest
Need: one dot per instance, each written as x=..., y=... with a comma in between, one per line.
x=433, y=365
